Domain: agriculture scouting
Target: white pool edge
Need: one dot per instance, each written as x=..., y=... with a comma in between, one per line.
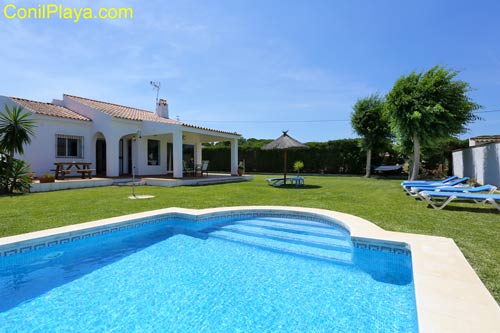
x=450, y=296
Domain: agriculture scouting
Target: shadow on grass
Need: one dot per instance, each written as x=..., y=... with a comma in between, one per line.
x=479, y=209
x=303, y=187
x=16, y=194
x=389, y=177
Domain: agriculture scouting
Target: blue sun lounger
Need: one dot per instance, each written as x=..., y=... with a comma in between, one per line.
x=431, y=186
x=279, y=181
x=464, y=189
x=422, y=182
x=388, y=168
x=439, y=200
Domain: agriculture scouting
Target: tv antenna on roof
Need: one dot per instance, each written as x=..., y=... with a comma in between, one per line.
x=156, y=86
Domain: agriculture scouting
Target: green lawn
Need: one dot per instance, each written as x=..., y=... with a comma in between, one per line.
x=475, y=228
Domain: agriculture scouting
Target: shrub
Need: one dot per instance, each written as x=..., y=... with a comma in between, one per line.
x=14, y=177
x=338, y=156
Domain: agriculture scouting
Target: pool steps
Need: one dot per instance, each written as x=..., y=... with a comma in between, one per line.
x=311, y=240
x=302, y=238
x=320, y=230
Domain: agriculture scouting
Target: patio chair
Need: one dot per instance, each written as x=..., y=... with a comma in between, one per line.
x=202, y=168
x=431, y=186
x=186, y=168
x=439, y=200
x=464, y=189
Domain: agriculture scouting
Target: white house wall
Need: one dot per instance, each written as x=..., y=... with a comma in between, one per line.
x=478, y=156
x=41, y=153
x=458, y=165
x=142, y=167
x=154, y=128
x=481, y=163
x=113, y=129
x=153, y=131
x=99, y=119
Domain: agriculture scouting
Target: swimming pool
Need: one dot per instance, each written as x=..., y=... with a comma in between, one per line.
x=258, y=271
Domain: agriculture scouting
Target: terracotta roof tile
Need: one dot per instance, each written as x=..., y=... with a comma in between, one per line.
x=48, y=109
x=121, y=111
x=486, y=137
x=130, y=113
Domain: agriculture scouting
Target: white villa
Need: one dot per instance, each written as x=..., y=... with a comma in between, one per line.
x=114, y=138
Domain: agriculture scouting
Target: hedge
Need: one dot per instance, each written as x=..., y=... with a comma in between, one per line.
x=335, y=157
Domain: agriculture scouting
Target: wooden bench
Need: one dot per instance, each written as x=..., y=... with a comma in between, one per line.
x=86, y=171
x=61, y=173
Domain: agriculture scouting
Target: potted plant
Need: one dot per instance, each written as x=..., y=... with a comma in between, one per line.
x=46, y=178
x=241, y=168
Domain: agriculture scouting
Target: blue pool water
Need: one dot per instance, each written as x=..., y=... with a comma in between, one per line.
x=233, y=274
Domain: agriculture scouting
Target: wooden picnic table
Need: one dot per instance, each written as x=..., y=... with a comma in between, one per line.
x=63, y=168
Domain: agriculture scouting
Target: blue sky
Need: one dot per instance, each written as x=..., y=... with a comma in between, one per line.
x=255, y=67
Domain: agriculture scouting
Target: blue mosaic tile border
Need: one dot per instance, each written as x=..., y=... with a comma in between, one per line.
x=376, y=245
x=40, y=243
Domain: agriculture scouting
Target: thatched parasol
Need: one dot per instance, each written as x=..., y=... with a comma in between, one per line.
x=284, y=143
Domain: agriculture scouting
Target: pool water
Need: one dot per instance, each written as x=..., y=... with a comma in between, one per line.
x=232, y=274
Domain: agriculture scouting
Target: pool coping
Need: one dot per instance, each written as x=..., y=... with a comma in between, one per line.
x=450, y=296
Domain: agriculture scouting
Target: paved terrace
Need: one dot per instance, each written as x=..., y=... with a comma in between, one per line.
x=159, y=180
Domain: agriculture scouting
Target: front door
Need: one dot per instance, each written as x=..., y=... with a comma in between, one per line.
x=129, y=155
x=170, y=153
x=100, y=157
x=120, y=157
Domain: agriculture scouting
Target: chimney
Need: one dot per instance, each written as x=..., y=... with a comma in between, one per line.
x=162, y=108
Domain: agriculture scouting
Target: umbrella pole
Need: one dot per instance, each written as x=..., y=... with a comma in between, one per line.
x=284, y=169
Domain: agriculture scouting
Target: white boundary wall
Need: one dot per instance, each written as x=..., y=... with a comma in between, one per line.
x=481, y=163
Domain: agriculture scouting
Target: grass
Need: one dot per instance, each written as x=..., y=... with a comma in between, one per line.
x=475, y=228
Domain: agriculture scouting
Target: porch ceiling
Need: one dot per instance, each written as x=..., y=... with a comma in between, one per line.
x=209, y=138
x=204, y=136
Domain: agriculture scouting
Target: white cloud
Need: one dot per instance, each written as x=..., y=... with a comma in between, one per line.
x=211, y=66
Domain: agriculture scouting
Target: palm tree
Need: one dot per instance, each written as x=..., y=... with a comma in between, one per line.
x=16, y=130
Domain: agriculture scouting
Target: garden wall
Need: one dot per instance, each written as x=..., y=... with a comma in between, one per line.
x=481, y=163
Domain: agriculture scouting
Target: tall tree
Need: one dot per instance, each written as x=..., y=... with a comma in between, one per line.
x=369, y=121
x=425, y=107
